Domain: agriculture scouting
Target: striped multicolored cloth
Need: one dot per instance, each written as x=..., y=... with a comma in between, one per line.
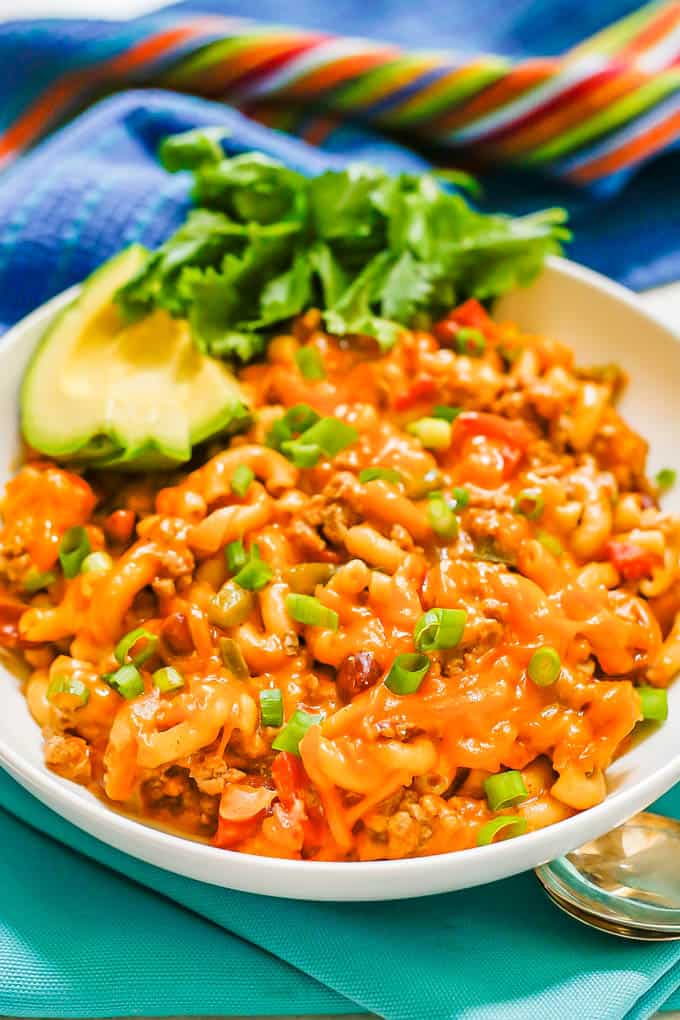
x=591, y=115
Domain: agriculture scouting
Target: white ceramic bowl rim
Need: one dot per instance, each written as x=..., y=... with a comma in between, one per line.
x=334, y=880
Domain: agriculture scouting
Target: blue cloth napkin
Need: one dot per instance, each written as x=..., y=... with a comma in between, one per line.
x=80, y=932
x=632, y=234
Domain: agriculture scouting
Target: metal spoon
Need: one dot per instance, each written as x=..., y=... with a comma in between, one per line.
x=626, y=883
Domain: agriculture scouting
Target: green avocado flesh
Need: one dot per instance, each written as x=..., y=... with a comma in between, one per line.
x=104, y=392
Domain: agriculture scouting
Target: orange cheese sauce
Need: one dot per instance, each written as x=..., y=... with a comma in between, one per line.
x=556, y=541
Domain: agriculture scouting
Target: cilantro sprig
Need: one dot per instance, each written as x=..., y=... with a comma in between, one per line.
x=373, y=251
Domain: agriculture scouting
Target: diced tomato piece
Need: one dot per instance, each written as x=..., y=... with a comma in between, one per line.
x=422, y=388
x=120, y=524
x=446, y=330
x=480, y=423
x=472, y=313
x=289, y=777
x=232, y=833
x=508, y=438
x=631, y=560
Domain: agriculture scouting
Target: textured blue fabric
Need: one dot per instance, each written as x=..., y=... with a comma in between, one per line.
x=630, y=230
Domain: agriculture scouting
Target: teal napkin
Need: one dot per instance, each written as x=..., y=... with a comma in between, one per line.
x=82, y=934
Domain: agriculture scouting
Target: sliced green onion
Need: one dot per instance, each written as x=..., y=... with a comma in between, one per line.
x=446, y=412
x=73, y=548
x=126, y=643
x=310, y=363
x=510, y=825
x=505, y=789
x=97, y=563
x=294, y=421
x=407, y=672
x=68, y=685
x=304, y=577
x=241, y=479
x=550, y=543
x=439, y=628
x=292, y=733
x=36, y=580
x=379, y=474
x=418, y=487
x=529, y=503
x=271, y=707
x=470, y=341
x=308, y=610
x=303, y=455
x=433, y=433
x=544, y=666
x=328, y=436
x=461, y=497
x=665, y=478
x=230, y=606
x=331, y=434
x=232, y=657
x=127, y=681
x=654, y=703
x=167, y=679
x=442, y=519
x=236, y=556
x=255, y=574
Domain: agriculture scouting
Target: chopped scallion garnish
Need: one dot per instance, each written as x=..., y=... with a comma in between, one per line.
x=36, y=580
x=236, y=556
x=433, y=433
x=255, y=573
x=654, y=703
x=310, y=363
x=70, y=686
x=73, y=548
x=529, y=503
x=470, y=341
x=438, y=629
x=303, y=455
x=290, y=736
x=327, y=436
x=291, y=424
x=374, y=474
x=241, y=479
x=544, y=666
x=446, y=412
x=551, y=543
x=509, y=825
x=505, y=789
x=665, y=479
x=407, y=672
x=271, y=707
x=442, y=519
x=126, y=647
x=461, y=497
x=308, y=610
x=97, y=563
x=167, y=679
x=127, y=681
x=232, y=658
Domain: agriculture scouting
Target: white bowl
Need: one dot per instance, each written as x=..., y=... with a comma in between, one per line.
x=604, y=323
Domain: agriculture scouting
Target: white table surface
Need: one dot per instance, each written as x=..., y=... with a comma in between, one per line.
x=663, y=301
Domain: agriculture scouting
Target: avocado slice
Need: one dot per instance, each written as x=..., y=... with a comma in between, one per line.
x=101, y=391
